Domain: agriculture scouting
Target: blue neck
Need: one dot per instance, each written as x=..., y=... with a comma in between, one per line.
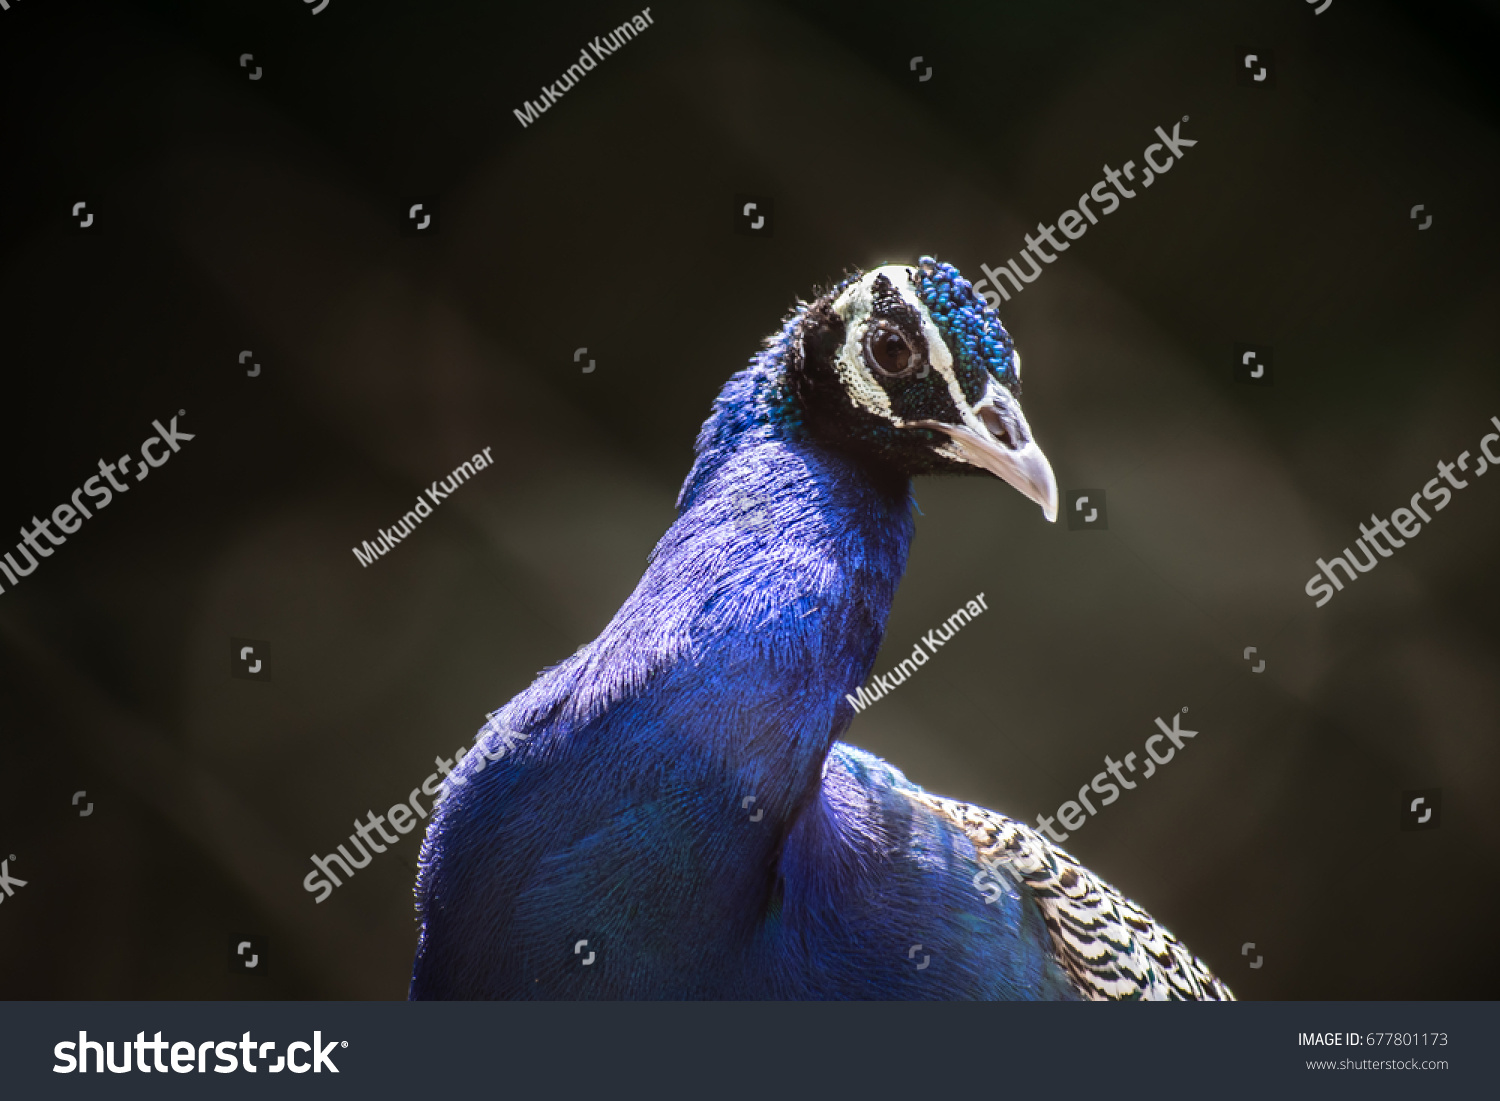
x=671, y=757
x=766, y=601
x=763, y=604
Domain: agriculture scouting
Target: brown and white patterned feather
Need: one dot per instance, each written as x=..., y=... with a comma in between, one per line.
x=1109, y=946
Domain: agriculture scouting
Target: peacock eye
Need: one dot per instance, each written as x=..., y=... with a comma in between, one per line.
x=889, y=352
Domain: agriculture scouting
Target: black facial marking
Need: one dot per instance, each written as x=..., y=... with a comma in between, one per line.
x=972, y=380
x=812, y=378
x=888, y=305
x=831, y=414
x=922, y=394
x=823, y=333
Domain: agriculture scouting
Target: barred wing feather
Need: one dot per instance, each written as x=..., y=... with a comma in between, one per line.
x=1109, y=946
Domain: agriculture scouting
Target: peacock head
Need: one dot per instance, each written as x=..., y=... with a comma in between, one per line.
x=907, y=368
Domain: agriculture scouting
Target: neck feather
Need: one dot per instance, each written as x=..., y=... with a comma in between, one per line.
x=762, y=606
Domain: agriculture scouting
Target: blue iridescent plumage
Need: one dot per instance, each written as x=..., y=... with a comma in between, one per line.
x=681, y=808
x=972, y=328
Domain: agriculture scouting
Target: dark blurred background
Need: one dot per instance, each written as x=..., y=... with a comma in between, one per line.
x=265, y=215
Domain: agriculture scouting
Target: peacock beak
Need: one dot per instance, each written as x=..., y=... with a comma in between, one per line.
x=994, y=436
x=1046, y=484
x=1025, y=468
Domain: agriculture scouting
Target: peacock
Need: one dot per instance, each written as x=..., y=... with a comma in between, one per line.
x=669, y=812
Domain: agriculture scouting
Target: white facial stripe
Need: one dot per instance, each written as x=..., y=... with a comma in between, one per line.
x=942, y=361
x=854, y=307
